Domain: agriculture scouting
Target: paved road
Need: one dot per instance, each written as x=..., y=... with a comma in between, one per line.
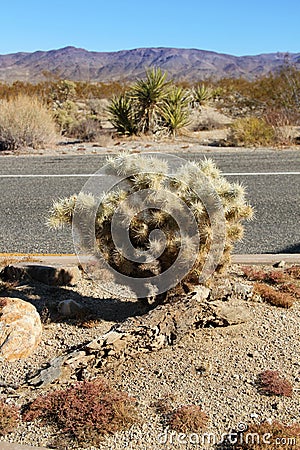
x=28, y=185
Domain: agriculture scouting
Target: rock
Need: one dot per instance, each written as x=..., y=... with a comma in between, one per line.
x=20, y=328
x=243, y=290
x=203, y=369
x=279, y=264
x=49, y=374
x=222, y=290
x=200, y=293
x=70, y=308
x=111, y=337
x=231, y=313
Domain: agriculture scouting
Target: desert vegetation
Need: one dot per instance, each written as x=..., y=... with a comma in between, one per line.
x=188, y=418
x=278, y=287
x=9, y=418
x=262, y=112
x=272, y=383
x=85, y=412
x=277, y=436
x=25, y=122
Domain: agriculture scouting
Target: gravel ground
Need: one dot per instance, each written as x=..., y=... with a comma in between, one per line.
x=216, y=368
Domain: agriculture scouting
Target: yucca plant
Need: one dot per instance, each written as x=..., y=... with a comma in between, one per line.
x=172, y=204
x=174, y=110
x=122, y=114
x=201, y=94
x=148, y=95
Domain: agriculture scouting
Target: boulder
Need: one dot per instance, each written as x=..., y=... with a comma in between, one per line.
x=20, y=328
x=70, y=308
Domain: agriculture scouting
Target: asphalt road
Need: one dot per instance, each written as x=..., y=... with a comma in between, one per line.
x=28, y=185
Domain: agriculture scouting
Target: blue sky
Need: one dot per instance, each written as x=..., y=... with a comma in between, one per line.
x=229, y=26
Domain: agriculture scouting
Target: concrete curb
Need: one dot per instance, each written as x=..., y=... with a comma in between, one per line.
x=14, y=446
x=69, y=260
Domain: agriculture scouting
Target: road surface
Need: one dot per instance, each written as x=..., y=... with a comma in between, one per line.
x=28, y=185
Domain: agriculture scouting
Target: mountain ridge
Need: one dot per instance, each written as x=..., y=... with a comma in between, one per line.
x=192, y=65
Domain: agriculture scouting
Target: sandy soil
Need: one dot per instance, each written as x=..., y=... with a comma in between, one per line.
x=216, y=368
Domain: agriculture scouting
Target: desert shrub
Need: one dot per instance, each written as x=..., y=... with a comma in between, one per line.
x=9, y=416
x=170, y=197
x=65, y=115
x=268, y=276
x=281, y=122
x=24, y=121
x=266, y=435
x=251, y=131
x=271, y=383
x=273, y=296
x=277, y=93
x=292, y=289
x=87, y=129
x=189, y=418
x=294, y=272
x=63, y=91
x=86, y=411
x=286, y=281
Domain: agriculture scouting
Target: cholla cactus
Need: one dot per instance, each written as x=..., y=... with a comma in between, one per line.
x=167, y=199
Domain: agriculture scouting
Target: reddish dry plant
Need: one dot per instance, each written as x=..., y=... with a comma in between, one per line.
x=86, y=411
x=9, y=416
x=272, y=277
x=273, y=296
x=294, y=272
x=189, y=418
x=291, y=289
x=271, y=383
x=269, y=436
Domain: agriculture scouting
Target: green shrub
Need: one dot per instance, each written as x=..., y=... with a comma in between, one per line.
x=25, y=122
x=86, y=411
x=251, y=131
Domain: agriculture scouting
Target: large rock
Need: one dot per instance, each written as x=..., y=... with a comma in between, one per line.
x=20, y=328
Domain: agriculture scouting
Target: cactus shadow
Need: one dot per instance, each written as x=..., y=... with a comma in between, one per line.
x=295, y=248
x=46, y=300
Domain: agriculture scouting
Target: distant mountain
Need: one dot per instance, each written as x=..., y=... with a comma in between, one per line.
x=182, y=64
